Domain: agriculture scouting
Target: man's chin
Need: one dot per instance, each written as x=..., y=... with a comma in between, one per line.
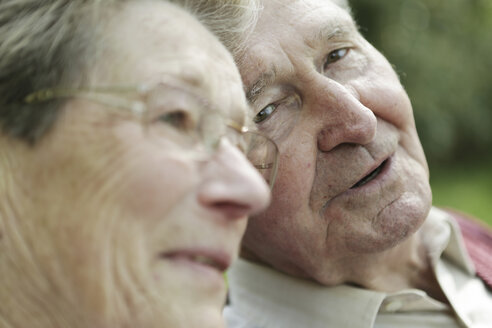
x=392, y=226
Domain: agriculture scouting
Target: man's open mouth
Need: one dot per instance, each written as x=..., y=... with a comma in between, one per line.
x=368, y=178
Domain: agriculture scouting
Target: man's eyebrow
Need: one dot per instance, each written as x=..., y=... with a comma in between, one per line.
x=331, y=32
x=267, y=78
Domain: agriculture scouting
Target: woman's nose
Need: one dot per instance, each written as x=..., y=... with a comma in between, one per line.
x=232, y=185
x=343, y=117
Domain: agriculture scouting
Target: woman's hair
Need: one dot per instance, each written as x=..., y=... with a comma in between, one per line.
x=44, y=44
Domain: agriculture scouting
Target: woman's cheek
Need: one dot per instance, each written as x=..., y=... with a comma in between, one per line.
x=154, y=186
x=154, y=175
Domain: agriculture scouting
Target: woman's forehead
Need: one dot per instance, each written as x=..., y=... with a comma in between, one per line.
x=155, y=43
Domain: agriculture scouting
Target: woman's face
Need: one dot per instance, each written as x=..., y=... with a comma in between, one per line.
x=135, y=230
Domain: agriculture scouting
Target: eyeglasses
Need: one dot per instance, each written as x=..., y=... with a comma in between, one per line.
x=180, y=116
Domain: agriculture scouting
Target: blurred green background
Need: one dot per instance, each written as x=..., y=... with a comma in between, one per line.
x=442, y=51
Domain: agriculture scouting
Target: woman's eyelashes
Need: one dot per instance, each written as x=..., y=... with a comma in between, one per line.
x=177, y=119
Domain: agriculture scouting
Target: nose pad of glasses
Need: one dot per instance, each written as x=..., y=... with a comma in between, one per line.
x=258, y=149
x=262, y=153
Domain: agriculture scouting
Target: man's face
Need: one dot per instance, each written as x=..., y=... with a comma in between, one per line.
x=353, y=179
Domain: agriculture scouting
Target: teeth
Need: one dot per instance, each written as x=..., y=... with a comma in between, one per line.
x=200, y=259
x=205, y=260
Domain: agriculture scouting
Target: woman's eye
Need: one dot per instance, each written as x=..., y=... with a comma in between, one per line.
x=335, y=56
x=264, y=113
x=177, y=119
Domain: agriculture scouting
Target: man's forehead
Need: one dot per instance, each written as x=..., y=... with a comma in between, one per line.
x=320, y=23
x=321, y=14
x=312, y=20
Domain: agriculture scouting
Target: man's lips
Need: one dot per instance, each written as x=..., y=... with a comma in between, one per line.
x=371, y=176
x=216, y=260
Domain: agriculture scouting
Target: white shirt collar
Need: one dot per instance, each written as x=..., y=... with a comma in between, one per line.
x=263, y=295
x=296, y=300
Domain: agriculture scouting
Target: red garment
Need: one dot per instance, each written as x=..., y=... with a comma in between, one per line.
x=478, y=242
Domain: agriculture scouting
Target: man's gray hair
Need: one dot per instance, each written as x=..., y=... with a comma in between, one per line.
x=230, y=20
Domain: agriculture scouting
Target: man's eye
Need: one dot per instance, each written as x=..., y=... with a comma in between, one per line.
x=335, y=55
x=177, y=119
x=264, y=113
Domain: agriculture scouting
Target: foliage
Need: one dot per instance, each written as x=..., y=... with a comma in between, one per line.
x=464, y=187
x=442, y=50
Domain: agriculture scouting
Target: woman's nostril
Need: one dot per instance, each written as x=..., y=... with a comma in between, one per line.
x=232, y=210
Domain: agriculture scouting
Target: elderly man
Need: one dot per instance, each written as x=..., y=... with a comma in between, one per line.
x=351, y=238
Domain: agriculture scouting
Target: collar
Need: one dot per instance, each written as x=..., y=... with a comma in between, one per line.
x=264, y=295
x=443, y=238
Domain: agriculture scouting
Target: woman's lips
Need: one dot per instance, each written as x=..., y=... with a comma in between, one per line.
x=215, y=260
x=371, y=176
x=199, y=268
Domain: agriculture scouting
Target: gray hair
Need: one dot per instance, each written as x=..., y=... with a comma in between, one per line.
x=51, y=43
x=230, y=20
x=44, y=44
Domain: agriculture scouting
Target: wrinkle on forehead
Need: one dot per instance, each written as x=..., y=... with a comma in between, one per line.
x=178, y=48
x=303, y=14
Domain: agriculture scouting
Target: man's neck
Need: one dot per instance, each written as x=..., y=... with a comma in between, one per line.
x=405, y=266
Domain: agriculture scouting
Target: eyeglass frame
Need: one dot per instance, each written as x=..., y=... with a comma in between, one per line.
x=138, y=107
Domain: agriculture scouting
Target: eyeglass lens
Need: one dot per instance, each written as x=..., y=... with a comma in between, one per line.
x=193, y=124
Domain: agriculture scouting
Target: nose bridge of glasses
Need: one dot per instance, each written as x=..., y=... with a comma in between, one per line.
x=261, y=151
x=210, y=127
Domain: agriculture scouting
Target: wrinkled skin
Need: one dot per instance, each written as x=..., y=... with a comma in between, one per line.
x=351, y=115
x=106, y=214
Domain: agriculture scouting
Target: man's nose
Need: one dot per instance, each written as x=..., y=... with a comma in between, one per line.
x=343, y=117
x=232, y=185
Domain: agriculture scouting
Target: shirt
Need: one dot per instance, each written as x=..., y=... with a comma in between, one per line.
x=261, y=297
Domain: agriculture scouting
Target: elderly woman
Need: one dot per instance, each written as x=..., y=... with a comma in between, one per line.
x=124, y=186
